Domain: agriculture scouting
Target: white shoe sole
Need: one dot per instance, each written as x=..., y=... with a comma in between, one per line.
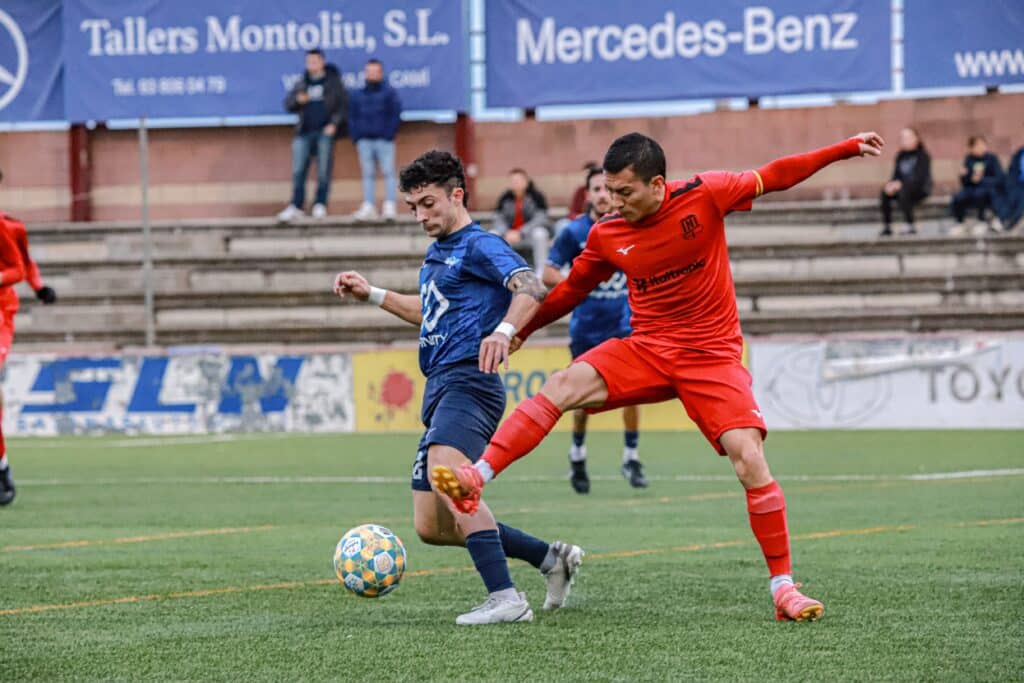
x=571, y=566
x=513, y=618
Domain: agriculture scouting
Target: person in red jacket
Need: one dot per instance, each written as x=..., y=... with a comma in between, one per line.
x=668, y=238
x=17, y=265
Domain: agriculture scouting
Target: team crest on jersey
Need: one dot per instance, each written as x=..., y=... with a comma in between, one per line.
x=691, y=227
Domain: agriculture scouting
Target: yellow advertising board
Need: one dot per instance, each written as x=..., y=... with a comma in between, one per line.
x=388, y=391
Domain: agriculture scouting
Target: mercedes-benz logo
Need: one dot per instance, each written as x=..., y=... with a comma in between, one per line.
x=11, y=82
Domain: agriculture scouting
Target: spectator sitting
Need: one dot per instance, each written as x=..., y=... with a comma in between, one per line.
x=320, y=100
x=981, y=180
x=521, y=209
x=374, y=116
x=578, y=204
x=1013, y=211
x=910, y=183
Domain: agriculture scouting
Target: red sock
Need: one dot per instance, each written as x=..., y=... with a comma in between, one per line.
x=521, y=432
x=3, y=445
x=767, y=509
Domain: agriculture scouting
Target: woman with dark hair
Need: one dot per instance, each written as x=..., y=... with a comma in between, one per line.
x=911, y=181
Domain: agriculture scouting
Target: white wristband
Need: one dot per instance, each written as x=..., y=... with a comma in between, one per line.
x=377, y=296
x=507, y=329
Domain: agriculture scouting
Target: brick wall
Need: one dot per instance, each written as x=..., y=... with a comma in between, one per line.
x=201, y=172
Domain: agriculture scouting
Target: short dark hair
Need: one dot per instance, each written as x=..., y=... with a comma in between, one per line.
x=434, y=168
x=975, y=138
x=640, y=152
x=374, y=60
x=315, y=51
x=519, y=171
x=590, y=174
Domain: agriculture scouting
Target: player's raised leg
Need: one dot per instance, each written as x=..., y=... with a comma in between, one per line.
x=766, y=507
x=578, y=477
x=577, y=386
x=632, y=468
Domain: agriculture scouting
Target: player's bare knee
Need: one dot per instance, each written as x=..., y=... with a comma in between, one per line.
x=747, y=457
x=559, y=389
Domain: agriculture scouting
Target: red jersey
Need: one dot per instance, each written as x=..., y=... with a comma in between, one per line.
x=676, y=262
x=15, y=263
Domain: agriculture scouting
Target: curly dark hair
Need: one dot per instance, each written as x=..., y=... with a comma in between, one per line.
x=434, y=168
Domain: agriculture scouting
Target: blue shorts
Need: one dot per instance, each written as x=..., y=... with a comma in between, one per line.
x=461, y=408
x=580, y=345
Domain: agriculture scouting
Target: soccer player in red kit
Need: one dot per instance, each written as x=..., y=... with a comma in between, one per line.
x=669, y=240
x=17, y=265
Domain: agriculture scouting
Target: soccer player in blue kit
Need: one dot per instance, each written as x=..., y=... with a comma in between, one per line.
x=475, y=294
x=603, y=315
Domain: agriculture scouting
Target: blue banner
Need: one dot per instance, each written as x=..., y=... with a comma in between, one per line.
x=581, y=51
x=31, y=68
x=956, y=44
x=237, y=58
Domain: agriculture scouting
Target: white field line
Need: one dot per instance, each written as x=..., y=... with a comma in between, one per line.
x=920, y=476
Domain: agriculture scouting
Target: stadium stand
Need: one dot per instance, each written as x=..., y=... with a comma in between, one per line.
x=799, y=268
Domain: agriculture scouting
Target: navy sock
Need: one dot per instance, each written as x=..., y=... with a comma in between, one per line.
x=577, y=438
x=522, y=546
x=632, y=439
x=489, y=557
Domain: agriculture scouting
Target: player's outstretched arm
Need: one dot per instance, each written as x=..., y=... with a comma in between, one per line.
x=786, y=172
x=405, y=306
x=587, y=272
x=528, y=293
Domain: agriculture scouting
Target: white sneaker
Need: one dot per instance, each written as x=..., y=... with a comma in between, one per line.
x=366, y=212
x=980, y=229
x=561, y=576
x=319, y=211
x=290, y=213
x=496, y=610
x=958, y=230
x=387, y=210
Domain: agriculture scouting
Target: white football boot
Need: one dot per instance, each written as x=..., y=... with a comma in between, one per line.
x=560, y=577
x=495, y=610
x=290, y=213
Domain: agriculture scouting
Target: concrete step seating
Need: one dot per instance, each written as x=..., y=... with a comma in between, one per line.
x=798, y=268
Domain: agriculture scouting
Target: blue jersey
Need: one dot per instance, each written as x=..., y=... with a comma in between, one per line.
x=605, y=312
x=463, y=294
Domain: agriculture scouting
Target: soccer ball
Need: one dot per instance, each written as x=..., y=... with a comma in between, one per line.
x=369, y=560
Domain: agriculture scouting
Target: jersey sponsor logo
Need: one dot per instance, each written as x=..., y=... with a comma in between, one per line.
x=432, y=340
x=643, y=283
x=435, y=304
x=452, y=261
x=691, y=227
x=625, y=250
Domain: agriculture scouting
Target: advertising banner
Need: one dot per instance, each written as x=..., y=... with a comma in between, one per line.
x=31, y=65
x=389, y=390
x=578, y=51
x=193, y=393
x=907, y=383
x=235, y=58
x=954, y=44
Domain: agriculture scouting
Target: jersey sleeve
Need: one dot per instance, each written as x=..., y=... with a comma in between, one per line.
x=564, y=249
x=12, y=270
x=20, y=234
x=490, y=258
x=733, y=191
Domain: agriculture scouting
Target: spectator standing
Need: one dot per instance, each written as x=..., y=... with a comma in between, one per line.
x=911, y=182
x=981, y=180
x=374, y=116
x=321, y=102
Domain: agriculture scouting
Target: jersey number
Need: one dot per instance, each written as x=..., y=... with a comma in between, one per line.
x=434, y=305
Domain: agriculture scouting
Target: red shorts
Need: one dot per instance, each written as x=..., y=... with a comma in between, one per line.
x=6, y=334
x=715, y=389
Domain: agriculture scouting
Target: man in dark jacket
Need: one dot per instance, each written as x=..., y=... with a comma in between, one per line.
x=321, y=102
x=981, y=179
x=374, y=115
x=1013, y=209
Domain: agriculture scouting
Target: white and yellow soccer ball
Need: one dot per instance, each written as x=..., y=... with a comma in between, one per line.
x=369, y=560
